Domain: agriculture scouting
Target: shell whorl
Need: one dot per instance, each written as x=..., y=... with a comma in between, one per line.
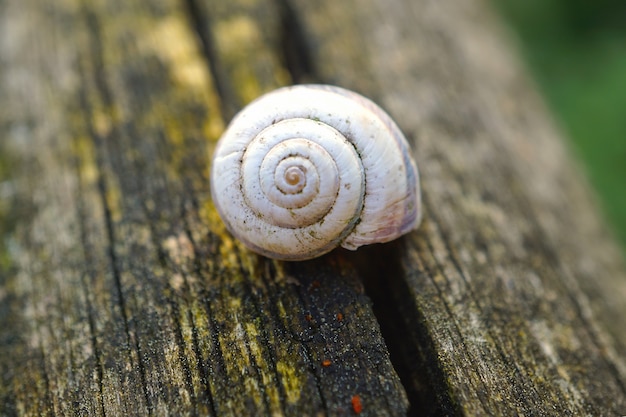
x=304, y=169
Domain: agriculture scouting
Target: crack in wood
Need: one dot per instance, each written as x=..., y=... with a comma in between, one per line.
x=175, y=316
x=96, y=49
x=202, y=27
x=410, y=347
x=295, y=49
x=88, y=273
x=217, y=350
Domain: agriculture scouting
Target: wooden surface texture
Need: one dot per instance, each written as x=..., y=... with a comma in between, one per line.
x=121, y=292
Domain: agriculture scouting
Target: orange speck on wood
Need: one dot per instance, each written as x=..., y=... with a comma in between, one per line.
x=356, y=404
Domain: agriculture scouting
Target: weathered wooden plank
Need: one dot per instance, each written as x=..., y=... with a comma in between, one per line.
x=122, y=292
x=515, y=286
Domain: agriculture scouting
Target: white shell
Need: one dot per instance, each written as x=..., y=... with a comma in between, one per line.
x=304, y=169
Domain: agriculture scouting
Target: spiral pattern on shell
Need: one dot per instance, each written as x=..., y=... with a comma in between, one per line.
x=304, y=169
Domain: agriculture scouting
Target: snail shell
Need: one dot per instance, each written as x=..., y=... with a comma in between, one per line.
x=304, y=169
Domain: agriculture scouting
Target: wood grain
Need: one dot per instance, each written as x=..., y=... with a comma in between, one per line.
x=121, y=293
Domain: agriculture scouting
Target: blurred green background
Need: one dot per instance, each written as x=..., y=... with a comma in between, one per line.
x=577, y=52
